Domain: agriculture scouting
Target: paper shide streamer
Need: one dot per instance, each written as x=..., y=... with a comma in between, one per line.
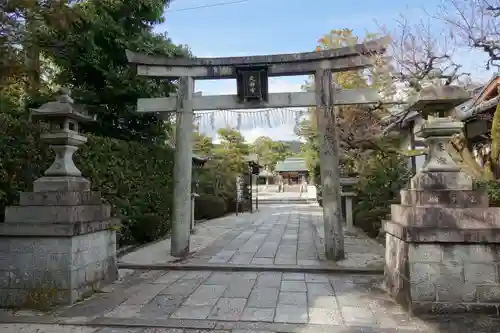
x=210, y=121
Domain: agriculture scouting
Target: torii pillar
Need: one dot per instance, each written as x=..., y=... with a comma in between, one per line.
x=183, y=169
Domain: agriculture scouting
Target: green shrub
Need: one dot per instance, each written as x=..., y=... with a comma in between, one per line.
x=380, y=182
x=209, y=206
x=135, y=178
x=493, y=189
x=147, y=228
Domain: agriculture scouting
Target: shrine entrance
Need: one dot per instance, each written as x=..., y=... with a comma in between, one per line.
x=251, y=74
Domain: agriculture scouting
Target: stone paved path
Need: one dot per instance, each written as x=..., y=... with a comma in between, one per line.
x=185, y=300
x=271, y=194
x=237, y=302
x=278, y=236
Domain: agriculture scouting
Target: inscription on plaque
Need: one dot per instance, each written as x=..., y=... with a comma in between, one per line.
x=453, y=198
x=433, y=199
x=252, y=84
x=472, y=199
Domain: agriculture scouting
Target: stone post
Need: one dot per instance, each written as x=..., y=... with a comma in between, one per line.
x=193, y=200
x=183, y=165
x=349, y=194
x=442, y=242
x=329, y=164
x=59, y=244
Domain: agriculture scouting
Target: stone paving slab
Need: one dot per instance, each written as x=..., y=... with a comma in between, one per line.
x=205, y=233
x=283, y=298
x=276, y=237
x=361, y=251
x=233, y=301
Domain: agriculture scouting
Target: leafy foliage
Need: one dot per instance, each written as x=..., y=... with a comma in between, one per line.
x=380, y=182
x=209, y=206
x=217, y=179
x=358, y=126
x=270, y=152
x=81, y=45
x=135, y=178
x=94, y=64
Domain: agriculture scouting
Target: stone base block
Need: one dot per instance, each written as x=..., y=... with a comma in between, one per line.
x=57, y=247
x=61, y=184
x=60, y=198
x=445, y=198
x=443, y=277
x=441, y=181
x=446, y=217
x=57, y=214
x=38, y=272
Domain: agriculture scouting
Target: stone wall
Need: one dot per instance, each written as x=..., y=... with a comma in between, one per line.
x=446, y=274
x=56, y=248
x=444, y=277
x=396, y=269
x=37, y=272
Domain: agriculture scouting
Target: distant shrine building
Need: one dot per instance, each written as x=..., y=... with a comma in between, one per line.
x=292, y=170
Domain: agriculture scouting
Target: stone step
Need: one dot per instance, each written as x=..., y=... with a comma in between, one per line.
x=327, y=267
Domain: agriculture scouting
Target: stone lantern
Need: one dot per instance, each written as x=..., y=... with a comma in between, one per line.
x=348, y=181
x=64, y=139
x=60, y=241
x=435, y=104
x=442, y=244
x=198, y=163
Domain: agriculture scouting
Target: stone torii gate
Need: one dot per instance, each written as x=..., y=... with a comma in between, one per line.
x=252, y=75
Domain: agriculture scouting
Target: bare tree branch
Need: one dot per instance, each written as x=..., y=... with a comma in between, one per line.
x=420, y=57
x=475, y=23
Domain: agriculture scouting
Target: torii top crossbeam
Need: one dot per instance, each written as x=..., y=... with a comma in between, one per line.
x=338, y=60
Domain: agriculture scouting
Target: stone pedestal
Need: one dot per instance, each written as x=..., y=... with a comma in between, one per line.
x=193, y=200
x=56, y=248
x=59, y=244
x=348, y=194
x=443, y=241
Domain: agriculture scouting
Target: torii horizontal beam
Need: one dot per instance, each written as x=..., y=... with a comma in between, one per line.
x=276, y=100
x=338, y=60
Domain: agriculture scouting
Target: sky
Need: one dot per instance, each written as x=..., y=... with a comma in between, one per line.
x=285, y=26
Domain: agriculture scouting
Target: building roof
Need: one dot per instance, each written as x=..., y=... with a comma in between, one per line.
x=291, y=164
x=403, y=118
x=266, y=173
x=483, y=99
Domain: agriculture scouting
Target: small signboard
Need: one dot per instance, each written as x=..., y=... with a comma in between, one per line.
x=252, y=84
x=240, y=183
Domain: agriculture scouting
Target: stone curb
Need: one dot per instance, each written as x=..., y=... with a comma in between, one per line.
x=246, y=268
x=289, y=201
x=196, y=324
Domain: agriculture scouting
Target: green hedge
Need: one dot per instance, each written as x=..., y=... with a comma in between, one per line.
x=493, y=189
x=383, y=176
x=136, y=179
x=209, y=206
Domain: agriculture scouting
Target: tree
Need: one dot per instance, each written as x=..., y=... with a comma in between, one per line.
x=202, y=145
x=270, y=152
x=232, y=150
x=358, y=125
x=93, y=63
x=476, y=24
x=22, y=65
x=420, y=57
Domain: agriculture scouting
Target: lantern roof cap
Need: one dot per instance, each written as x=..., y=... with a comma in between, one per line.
x=63, y=106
